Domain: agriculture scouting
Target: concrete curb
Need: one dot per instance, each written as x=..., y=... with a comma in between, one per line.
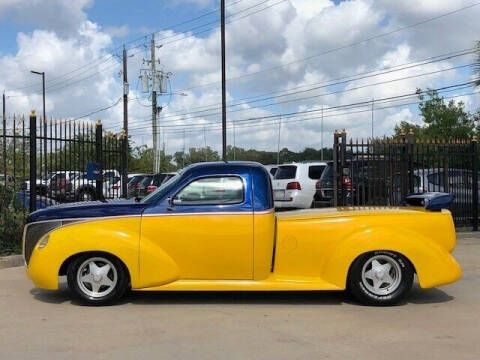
x=11, y=261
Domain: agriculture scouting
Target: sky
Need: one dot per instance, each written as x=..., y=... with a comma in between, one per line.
x=286, y=61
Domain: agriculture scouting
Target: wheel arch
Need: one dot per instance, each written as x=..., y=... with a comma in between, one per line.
x=425, y=256
x=63, y=268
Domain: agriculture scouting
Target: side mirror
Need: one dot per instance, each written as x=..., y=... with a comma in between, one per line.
x=176, y=201
x=346, y=171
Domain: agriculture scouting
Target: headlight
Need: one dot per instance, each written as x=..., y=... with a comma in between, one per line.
x=43, y=242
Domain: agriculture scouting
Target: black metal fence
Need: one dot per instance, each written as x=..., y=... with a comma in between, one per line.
x=383, y=171
x=48, y=162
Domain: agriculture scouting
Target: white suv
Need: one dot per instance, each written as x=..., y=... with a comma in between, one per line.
x=294, y=184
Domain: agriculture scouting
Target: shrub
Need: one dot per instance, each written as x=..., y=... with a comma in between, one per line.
x=12, y=219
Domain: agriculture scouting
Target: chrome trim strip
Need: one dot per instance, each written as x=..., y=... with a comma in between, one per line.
x=85, y=218
x=201, y=213
x=77, y=220
x=269, y=211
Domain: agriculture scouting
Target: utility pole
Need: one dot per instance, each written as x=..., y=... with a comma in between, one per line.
x=278, y=144
x=224, y=98
x=205, y=142
x=125, y=124
x=234, y=152
x=154, y=102
x=321, y=137
x=183, y=152
x=373, y=100
x=44, y=116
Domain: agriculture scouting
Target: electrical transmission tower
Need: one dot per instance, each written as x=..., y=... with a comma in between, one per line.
x=155, y=82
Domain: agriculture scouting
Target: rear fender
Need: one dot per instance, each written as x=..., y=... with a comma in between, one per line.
x=433, y=264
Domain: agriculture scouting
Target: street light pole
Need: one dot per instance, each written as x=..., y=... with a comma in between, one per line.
x=44, y=116
x=224, y=100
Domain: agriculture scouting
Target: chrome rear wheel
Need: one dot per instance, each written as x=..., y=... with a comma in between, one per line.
x=380, y=277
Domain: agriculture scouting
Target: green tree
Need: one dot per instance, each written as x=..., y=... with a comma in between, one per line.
x=445, y=120
x=405, y=127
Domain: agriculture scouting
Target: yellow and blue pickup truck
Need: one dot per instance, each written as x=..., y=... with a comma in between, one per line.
x=213, y=227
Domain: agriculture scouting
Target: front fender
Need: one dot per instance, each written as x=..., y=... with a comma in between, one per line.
x=119, y=236
x=433, y=264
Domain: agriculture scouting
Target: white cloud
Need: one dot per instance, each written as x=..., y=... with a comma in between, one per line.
x=283, y=34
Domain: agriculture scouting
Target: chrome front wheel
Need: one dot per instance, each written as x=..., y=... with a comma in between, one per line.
x=97, y=279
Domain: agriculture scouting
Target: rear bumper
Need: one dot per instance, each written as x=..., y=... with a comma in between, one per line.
x=295, y=200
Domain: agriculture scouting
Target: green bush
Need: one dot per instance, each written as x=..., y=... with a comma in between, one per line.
x=12, y=219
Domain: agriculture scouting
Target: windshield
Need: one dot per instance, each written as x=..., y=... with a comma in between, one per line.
x=161, y=191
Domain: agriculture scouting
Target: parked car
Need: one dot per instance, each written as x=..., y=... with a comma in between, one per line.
x=44, y=183
x=155, y=182
x=272, y=169
x=294, y=184
x=364, y=183
x=134, y=184
x=112, y=188
x=428, y=180
x=22, y=200
x=141, y=188
x=59, y=185
x=228, y=237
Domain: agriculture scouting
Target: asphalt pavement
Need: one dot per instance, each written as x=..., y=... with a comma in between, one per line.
x=441, y=323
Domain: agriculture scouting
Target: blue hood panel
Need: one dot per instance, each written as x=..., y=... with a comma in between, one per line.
x=88, y=210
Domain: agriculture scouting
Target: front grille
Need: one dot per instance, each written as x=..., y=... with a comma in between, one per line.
x=33, y=233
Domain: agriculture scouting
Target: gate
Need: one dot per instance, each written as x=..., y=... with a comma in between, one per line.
x=382, y=172
x=44, y=163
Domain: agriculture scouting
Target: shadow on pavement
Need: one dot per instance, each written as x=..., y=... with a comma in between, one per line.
x=416, y=296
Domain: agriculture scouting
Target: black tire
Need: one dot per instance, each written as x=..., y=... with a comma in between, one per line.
x=84, y=292
x=86, y=195
x=363, y=287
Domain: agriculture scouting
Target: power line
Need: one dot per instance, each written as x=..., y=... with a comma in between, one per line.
x=384, y=34
x=319, y=95
x=110, y=55
x=274, y=120
x=328, y=83
x=362, y=103
x=52, y=82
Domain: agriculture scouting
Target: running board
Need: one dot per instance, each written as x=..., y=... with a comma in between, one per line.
x=270, y=284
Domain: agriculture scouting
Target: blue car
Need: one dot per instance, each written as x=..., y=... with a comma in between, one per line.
x=22, y=199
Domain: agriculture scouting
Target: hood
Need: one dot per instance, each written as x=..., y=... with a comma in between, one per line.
x=88, y=209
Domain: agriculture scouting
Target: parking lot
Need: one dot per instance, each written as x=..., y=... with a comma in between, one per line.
x=439, y=323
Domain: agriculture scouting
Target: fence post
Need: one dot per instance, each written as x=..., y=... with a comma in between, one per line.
x=124, y=163
x=410, y=153
x=335, y=168
x=33, y=161
x=475, y=183
x=99, y=160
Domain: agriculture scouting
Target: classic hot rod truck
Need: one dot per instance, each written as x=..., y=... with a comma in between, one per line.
x=213, y=227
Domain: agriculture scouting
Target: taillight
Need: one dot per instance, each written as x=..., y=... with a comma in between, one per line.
x=294, y=186
x=151, y=188
x=318, y=185
x=115, y=187
x=63, y=184
x=347, y=183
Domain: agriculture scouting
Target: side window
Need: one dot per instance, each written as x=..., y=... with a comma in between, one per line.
x=315, y=171
x=212, y=191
